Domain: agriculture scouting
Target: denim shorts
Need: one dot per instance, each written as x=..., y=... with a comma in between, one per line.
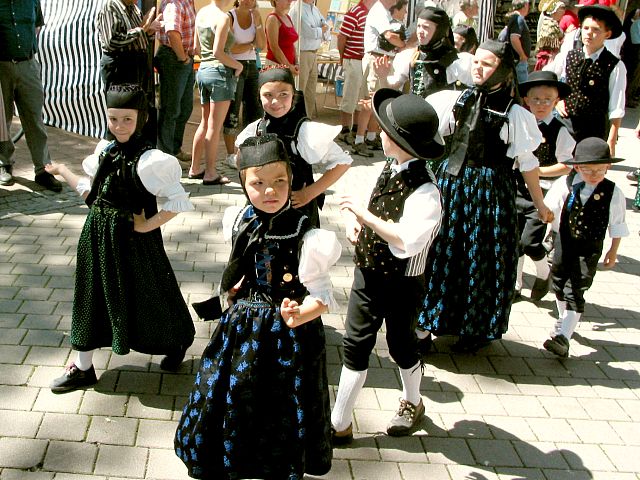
x=216, y=83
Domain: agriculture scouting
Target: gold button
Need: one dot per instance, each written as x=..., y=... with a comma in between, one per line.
x=596, y=196
x=287, y=277
x=592, y=83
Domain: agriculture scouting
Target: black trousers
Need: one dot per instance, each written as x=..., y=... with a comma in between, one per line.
x=376, y=297
x=532, y=229
x=572, y=271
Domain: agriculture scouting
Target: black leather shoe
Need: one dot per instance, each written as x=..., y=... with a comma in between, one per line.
x=48, y=181
x=342, y=438
x=172, y=361
x=6, y=178
x=73, y=379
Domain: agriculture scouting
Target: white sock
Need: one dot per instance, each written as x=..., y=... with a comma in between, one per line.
x=84, y=360
x=542, y=268
x=519, y=273
x=351, y=382
x=411, y=378
x=422, y=334
x=562, y=310
x=570, y=323
x=359, y=139
x=371, y=136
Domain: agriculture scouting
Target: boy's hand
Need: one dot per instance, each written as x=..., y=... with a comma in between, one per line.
x=352, y=227
x=610, y=259
x=290, y=311
x=348, y=203
x=545, y=214
x=562, y=109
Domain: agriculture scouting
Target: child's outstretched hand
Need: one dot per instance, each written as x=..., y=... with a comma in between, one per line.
x=610, y=259
x=290, y=311
x=139, y=222
x=54, y=168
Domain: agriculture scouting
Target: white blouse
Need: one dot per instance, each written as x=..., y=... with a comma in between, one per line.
x=459, y=70
x=558, y=193
x=315, y=144
x=159, y=173
x=320, y=250
x=521, y=132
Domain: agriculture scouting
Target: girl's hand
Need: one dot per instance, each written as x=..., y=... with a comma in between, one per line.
x=139, y=222
x=239, y=70
x=299, y=198
x=54, y=168
x=352, y=227
x=545, y=215
x=347, y=203
x=610, y=259
x=295, y=70
x=290, y=312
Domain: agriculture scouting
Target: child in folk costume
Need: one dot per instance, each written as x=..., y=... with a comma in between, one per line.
x=542, y=92
x=126, y=295
x=308, y=143
x=260, y=404
x=392, y=237
x=472, y=265
x=586, y=205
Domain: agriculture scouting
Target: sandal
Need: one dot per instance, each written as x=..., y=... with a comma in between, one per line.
x=219, y=180
x=196, y=176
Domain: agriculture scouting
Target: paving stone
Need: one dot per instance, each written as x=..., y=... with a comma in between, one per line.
x=472, y=472
x=603, y=409
x=494, y=453
x=74, y=457
x=593, y=431
x=48, y=401
x=61, y=426
x=375, y=471
x=17, y=398
x=22, y=453
x=580, y=456
x=103, y=404
x=112, y=430
x=19, y=424
x=165, y=465
x=156, y=434
x=120, y=460
x=448, y=451
x=539, y=454
x=552, y=430
x=10, y=474
x=513, y=473
x=157, y=407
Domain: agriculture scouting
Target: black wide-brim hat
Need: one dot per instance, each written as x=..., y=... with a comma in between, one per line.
x=592, y=151
x=410, y=121
x=605, y=14
x=544, y=78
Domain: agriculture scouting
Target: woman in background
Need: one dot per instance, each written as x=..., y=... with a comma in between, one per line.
x=281, y=37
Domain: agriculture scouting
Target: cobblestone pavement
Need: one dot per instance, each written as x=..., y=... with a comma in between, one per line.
x=510, y=411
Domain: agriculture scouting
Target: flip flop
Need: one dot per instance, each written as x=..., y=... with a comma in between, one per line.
x=196, y=176
x=219, y=180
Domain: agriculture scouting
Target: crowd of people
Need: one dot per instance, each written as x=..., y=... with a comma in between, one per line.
x=482, y=153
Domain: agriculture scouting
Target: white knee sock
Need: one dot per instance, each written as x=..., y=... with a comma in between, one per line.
x=371, y=136
x=519, y=273
x=84, y=360
x=411, y=378
x=542, y=268
x=359, y=139
x=570, y=323
x=562, y=310
x=351, y=383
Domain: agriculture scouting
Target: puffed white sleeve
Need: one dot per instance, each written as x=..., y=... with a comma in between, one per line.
x=228, y=219
x=249, y=131
x=90, y=167
x=320, y=250
x=565, y=145
x=443, y=103
x=554, y=200
x=401, y=67
x=522, y=134
x=460, y=70
x=160, y=174
x=617, y=208
x=315, y=144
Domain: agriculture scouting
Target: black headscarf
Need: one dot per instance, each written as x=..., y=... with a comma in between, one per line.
x=440, y=48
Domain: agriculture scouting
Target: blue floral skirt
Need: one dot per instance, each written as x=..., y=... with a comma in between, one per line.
x=260, y=404
x=471, y=270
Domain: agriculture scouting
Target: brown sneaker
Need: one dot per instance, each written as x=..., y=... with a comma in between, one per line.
x=406, y=418
x=344, y=437
x=361, y=149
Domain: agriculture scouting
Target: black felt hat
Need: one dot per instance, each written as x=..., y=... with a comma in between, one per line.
x=546, y=78
x=259, y=151
x=590, y=151
x=410, y=121
x=605, y=14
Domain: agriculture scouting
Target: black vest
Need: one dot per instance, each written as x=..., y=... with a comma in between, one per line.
x=387, y=202
x=486, y=148
x=587, y=225
x=427, y=77
x=589, y=84
x=269, y=261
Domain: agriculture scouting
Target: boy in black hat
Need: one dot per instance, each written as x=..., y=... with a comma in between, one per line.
x=585, y=205
x=596, y=76
x=392, y=238
x=541, y=92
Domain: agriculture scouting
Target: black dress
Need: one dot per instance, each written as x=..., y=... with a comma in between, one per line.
x=260, y=404
x=126, y=295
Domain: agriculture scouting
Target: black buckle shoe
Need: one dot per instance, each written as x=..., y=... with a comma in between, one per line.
x=6, y=178
x=345, y=437
x=558, y=344
x=172, y=361
x=48, y=181
x=73, y=379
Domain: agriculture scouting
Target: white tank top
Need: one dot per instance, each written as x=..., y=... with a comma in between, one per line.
x=243, y=36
